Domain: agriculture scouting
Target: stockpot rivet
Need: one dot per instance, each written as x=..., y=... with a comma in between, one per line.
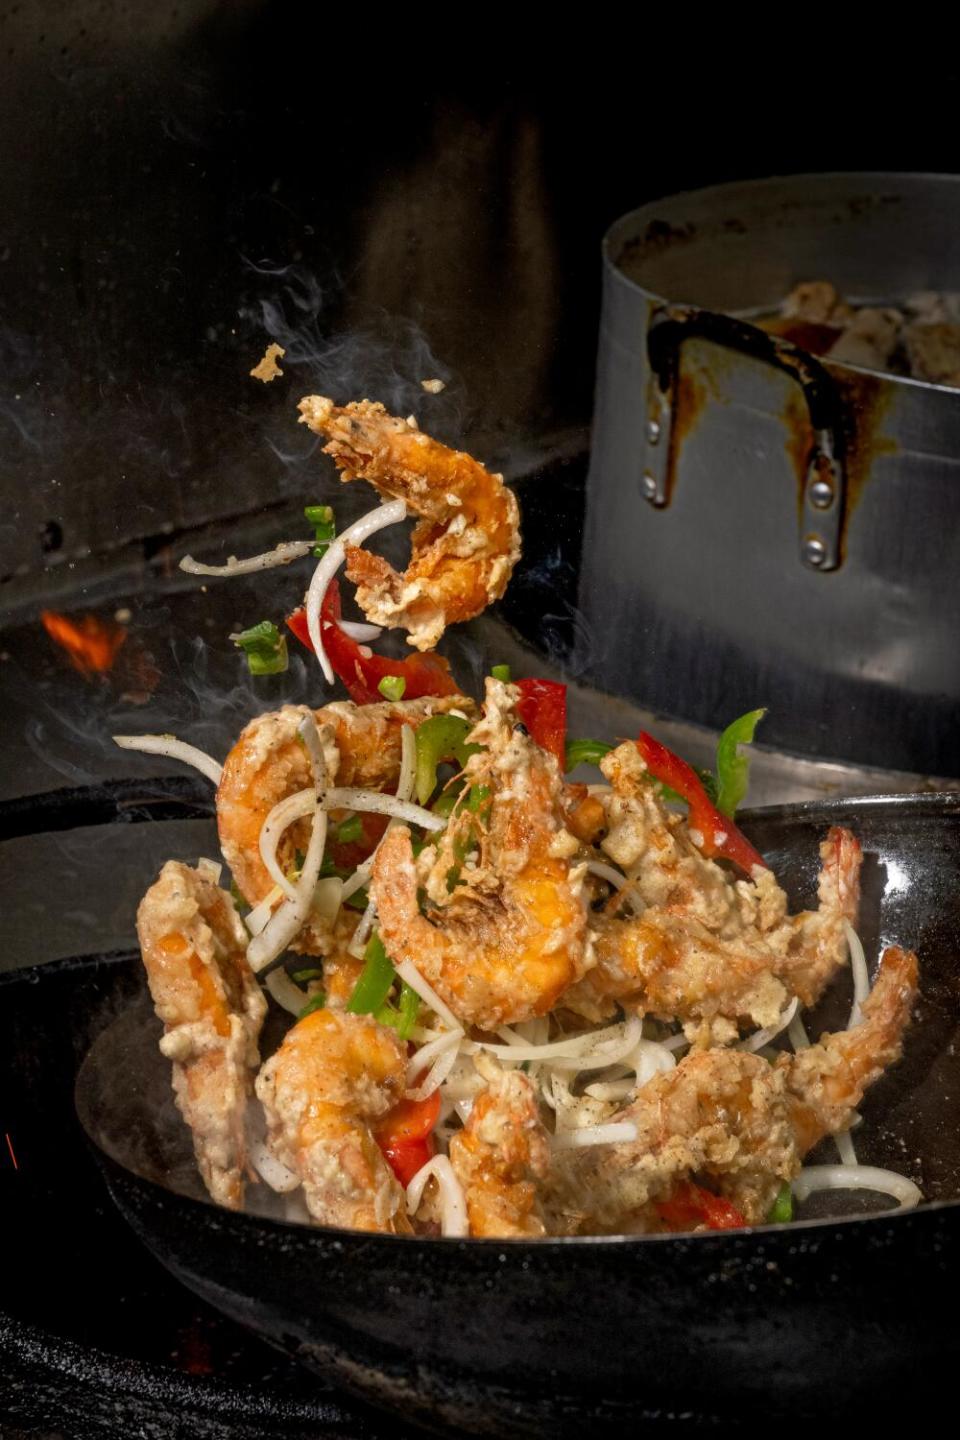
x=821, y=494
x=649, y=486
x=653, y=431
x=814, y=551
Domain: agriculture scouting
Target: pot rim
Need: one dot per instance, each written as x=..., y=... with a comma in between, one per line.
x=621, y=230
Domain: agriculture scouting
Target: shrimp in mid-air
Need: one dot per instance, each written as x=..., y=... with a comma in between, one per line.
x=506, y=927
x=268, y=763
x=333, y=1078
x=467, y=540
x=501, y=1155
x=194, y=950
x=704, y=947
x=736, y=1123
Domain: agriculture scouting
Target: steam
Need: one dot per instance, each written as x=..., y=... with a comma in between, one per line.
x=384, y=357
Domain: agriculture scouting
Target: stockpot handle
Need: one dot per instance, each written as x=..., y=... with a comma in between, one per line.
x=824, y=483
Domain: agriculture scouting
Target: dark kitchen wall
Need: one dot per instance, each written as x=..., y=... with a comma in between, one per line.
x=394, y=197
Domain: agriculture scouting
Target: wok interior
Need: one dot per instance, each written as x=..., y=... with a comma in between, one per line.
x=744, y=247
x=911, y=897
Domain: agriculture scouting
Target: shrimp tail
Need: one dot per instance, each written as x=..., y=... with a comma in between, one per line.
x=829, y=1079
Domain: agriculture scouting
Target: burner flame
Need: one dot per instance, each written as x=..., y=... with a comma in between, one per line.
x=92, y=645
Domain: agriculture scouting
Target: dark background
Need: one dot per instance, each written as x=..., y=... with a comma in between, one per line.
x=395, y=196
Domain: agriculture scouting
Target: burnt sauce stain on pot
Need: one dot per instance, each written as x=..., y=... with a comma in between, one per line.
x=865, y=402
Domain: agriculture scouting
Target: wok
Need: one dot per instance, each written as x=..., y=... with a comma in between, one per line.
x=586, y=1335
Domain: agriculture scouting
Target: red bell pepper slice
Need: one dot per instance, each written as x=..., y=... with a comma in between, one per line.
x=360, y=670
x=691, y=1205
x=717, y=834
x=406, y=1137
x=543, y=709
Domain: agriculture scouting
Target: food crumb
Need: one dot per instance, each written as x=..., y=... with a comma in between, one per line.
x=123, y=616
x=433, y=387
x=268, y=369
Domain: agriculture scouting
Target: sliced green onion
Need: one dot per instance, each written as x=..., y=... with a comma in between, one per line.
x=348, y=832
x=733, y=769
x=316, y=1002
x=264, y=647
x=321, y=518
x=376, y=978
x=303, y=977
x=501, y=672
x=589, y=752
x=781, y=1212
x=477, y=798
x=403, y=1017
x=359, y=900
x=391, y=687
x=442, y=737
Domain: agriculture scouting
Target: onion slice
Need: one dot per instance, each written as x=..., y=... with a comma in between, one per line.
x=292, y=915
x=271, y=1170
x=374, y=802
x=359, y=630
x=857, y=1177
x=355, y=534
x=453, y=1206
x=618, y=1132
x=439, y=1056
x=415, y=980
x=282, y=554
x=759, y=1038
x=593, y=1051
x=287, y=994
x=861, y=975
x=284, y=814
x=174, y=749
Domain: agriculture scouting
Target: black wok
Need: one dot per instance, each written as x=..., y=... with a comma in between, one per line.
x=588, y=1336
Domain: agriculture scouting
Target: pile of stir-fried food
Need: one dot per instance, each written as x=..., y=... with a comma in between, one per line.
x=919, y=337
x=523, y=1006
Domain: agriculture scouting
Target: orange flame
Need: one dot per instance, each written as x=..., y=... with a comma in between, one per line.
x=91, y=644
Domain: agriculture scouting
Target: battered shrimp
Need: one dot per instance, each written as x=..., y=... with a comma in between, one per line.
x=194, y=949
x=812, y=947
x=333, y=1077
x=341, y=970
x=513, y=934
x=672, y=967
x=268, y=763
x=467, y=541
x=708, y=947
x=735, y=1122
x=501, y=1155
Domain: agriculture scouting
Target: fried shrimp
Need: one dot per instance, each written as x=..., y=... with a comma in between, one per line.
x=735, y=1122
x=707, y=949
x=333, y=1077
x=341, y=970
x=362, y=745
x=194, y=949
x=812, y=947
x=467, y=541
x=512, y=935
x=501, y=1155
x=672, y=967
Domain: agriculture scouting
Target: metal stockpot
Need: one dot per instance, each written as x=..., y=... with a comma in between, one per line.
x=764, y=528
